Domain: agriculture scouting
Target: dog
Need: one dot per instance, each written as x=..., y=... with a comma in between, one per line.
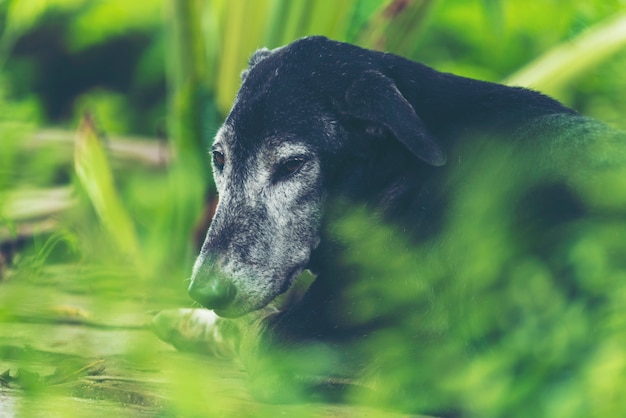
x=445, y=221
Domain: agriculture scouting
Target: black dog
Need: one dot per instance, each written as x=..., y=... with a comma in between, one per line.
x=448, y=220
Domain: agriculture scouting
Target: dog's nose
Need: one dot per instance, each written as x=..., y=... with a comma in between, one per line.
x=213, y=293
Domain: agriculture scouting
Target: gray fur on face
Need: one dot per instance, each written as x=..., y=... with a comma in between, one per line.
x=266, y=224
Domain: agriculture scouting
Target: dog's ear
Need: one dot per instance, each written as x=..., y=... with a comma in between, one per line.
x=258, y=56
x=374, y=97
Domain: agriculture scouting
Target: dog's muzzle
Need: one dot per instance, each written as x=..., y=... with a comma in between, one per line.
x=211, y=291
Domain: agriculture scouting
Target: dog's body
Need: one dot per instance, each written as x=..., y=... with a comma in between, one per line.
x=469, y=184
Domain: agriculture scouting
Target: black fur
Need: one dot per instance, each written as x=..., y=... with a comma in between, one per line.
x=406, y=142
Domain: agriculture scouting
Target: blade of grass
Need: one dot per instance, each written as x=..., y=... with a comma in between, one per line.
x=30, y=204
x=329, y=18
x=395, y=26
x=295, y=24
x=230, y=59
x=568, y=61
x=191, y=100
x=278, y=14
x=211, y=33
x=194, y=57
x=255, y=28
x=406, y=27
x=243, y=29
x=95, y=177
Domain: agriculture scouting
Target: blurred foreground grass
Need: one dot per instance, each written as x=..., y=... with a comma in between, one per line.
x=513, y=309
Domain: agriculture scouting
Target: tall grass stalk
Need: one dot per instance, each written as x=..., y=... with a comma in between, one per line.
x=247, y=25
x=94, y=175
x=556, y=69
x=396, y=26
x=192, y=118
x=243, y=24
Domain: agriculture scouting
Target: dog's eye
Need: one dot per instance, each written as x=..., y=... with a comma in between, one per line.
x=218, y=159
x=289, y=167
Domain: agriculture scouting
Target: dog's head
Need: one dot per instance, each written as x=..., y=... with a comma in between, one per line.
x=301, y=109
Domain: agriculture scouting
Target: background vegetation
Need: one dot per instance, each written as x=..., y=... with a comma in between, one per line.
x=106, y=108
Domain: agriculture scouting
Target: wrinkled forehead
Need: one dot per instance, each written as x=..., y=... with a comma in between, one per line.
x=260, y=127
x=278, y=143
x=282, y=100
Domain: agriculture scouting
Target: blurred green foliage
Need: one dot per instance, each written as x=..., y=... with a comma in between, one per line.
x=513, y=313
x=172, y=67
x=483, y=39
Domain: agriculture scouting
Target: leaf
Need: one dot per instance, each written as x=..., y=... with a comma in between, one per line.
x=396, y=27
x=94, y=174
x=563, y=64
x=23, y=14
x=243, y=26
